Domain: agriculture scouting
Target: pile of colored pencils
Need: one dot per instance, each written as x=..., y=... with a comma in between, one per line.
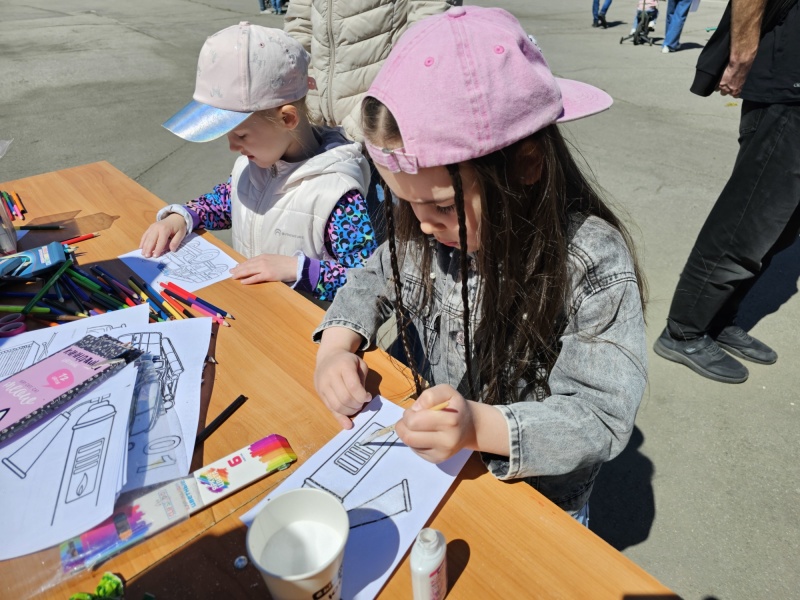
x=12, y=204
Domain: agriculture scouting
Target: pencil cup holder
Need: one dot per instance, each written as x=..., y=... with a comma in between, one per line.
x=8, y=235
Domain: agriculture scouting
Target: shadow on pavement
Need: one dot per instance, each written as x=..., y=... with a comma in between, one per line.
x=622, y=506
x=773, y=289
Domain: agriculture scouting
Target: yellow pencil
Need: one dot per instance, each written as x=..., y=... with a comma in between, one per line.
x=175, y=314
x=388, y=429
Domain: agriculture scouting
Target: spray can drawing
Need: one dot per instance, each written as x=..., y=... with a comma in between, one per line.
x=86, y=457
x=26, y=456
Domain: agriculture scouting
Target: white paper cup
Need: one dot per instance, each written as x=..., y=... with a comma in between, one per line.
x=297, y=543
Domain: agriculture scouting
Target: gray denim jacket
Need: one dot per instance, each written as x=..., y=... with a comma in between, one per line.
x=557, y=444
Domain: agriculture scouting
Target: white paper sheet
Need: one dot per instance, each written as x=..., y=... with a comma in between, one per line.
x=61, y=478
x=388, y=491
x=166, y=412
x=193, y=266
x=21, y=351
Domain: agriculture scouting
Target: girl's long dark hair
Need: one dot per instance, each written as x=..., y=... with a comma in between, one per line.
x=525, y=230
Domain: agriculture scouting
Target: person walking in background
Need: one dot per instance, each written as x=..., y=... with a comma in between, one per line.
x=677, y=10
x=599, y=14
x=756, y=215
x=348, y=43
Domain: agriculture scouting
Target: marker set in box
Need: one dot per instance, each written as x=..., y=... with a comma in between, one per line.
x=147, y=512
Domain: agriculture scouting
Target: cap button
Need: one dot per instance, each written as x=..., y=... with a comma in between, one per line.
x=456, y=11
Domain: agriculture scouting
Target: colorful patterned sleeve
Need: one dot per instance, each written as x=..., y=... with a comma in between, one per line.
x=350, y=238
x=212, y=211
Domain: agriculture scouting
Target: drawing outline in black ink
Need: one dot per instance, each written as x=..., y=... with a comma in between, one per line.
x=88, y=447
x=387, y=504
x=14, y=359
x=348, y=467
x=193, y=264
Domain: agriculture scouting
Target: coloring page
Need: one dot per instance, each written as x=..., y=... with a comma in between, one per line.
x=389, y=493
x=19, y=352
x=61, y=478
x=193, y=266
x=166, y=406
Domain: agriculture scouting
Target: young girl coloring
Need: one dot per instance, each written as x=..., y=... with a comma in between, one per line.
x=516, y=280
x=295, y=198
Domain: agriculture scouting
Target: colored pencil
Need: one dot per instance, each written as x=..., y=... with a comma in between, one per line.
x=84, y=282
x=18, y=202
x=40, y=227
x=103, y=301
x=146, y=297
x=200, y=308
x=16, y=309
x=55, y=307
x=90, y=277
x=205, y=313
x=48, y=284
x=118, y=293
x=71, y=293
x=145, y=287
x=177, y=306
x=52, y=317
x=111, y=279
x=194, y=297
x=5, y=294
x=70, y=284
x=172, y=312
x=80, y=238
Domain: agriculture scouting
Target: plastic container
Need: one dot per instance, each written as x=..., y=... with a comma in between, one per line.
x=428, y=565
x=8, y=235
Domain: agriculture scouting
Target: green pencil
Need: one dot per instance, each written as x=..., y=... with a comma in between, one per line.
x=48, y=284
x=16, y=309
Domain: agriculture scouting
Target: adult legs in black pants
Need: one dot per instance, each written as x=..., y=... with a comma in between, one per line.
x=755, y=216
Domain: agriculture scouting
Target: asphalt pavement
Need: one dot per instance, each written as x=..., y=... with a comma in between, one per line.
x=706, y=495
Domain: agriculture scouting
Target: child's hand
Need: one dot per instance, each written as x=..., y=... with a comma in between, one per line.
x=339, y=379
x=266, y=267
x=438, y=435
x=162, y=236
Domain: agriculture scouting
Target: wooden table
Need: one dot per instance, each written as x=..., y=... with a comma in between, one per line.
x=505, y=540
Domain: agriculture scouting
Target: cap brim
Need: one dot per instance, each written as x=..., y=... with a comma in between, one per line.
x=581, y=100
x=198, y=122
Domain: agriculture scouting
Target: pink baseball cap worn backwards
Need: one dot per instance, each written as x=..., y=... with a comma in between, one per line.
x=242, y=69
x=468, y=82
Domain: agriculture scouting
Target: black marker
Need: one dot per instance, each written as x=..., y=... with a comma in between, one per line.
x=221, y=418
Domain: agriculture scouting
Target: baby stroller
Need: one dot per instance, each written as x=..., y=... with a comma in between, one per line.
x=641, y=34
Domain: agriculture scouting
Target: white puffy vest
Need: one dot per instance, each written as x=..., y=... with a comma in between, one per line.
x=284, y=209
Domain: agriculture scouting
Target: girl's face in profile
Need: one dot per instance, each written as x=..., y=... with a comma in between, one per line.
x=260, y=140
x=432, y=198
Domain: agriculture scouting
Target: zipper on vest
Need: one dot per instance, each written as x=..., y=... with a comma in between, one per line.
x=331, y=65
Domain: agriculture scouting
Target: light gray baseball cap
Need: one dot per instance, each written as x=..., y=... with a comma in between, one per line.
x=242, y=69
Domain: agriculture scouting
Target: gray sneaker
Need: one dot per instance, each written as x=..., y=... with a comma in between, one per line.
x=738, y=342
x=703, y=356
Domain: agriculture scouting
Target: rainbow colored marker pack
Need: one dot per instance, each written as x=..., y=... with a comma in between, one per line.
x=138, y=518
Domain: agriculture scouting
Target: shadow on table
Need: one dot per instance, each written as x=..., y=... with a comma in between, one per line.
x=773, y=289
x=622, y=506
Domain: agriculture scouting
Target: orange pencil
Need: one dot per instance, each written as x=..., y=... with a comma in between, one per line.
x=18, y=204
